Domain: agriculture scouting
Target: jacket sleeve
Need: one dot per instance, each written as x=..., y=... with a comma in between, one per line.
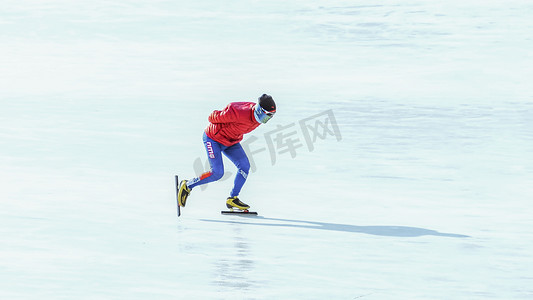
x=227, y=115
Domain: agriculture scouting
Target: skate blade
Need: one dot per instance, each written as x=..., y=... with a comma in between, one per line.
x=238, y=212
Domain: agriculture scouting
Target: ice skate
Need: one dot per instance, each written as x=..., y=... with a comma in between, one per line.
x=234, y=202
x=183, y=193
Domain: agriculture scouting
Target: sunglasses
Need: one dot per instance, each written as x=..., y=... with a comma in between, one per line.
x=264, y=115
x=268, y=113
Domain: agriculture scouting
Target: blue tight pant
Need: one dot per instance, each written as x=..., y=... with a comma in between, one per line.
x=235, y=153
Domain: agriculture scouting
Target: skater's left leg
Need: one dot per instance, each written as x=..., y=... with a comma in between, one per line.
x=214, y=154
x=237, y=155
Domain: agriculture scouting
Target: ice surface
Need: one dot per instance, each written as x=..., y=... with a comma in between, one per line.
x=426, y=196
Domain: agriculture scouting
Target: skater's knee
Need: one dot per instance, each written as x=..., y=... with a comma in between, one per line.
x=245, y=166
x=244, y=169
x=217, y=174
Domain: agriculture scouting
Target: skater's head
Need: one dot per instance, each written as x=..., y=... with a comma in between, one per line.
x=265, y=108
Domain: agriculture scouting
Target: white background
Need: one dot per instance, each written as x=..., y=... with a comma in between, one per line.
x=427, y=195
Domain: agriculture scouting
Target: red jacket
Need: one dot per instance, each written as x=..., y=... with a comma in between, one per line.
x=228, y=126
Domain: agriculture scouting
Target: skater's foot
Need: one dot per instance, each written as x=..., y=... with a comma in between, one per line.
x=234, y=202
x=184, y=192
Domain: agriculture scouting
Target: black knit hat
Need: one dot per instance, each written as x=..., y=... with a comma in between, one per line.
x=267, y=103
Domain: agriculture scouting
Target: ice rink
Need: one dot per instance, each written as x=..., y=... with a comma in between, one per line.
x=399, y=164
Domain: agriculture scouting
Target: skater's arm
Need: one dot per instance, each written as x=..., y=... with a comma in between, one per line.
x=226, y=115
